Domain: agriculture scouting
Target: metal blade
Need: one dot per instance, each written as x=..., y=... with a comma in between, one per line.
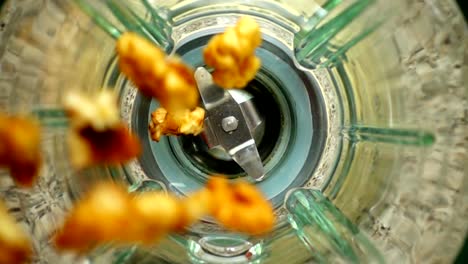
x=236, y=140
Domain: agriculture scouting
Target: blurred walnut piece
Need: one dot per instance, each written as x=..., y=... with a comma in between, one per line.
x=99, y=110
x=97, y=136
x=109, y=214
x=177, y=122
x=196, y=206
x=20, y=148
x=241, y=207
x=168, y=80
x=157, y=214
x=232, y=54
x=112, y=146
x=15, y=246
x=102, y=215
x=156, y=75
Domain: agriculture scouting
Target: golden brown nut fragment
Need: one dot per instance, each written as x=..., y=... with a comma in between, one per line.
x=178, y=122
x=112, y=146
x=99, y=111
x=195, y=206
x=241, y=207
x=232, y=54
x=15, y=246
x=109, y=214
x=20, y=148
x=103, y=215
x=155, y=75
x=158, y=214
x=97, y=136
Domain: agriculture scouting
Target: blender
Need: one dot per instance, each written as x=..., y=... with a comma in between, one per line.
x=358, y=113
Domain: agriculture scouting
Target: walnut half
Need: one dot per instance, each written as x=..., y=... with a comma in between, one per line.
x=232, y=54
x=165, y=78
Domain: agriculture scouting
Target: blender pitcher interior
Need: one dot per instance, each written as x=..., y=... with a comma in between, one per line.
x=364, y=145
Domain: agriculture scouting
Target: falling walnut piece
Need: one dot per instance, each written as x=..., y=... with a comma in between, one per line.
x=20, y=149
x=196, y=206
x=177, y=122
x=241, y=207
x=112, y=146
x=232, y=54
x=157, y=214
x=103, y=215
x=97, y=136
x=156, y=75
x=166, y=79
x=98, y=111
x=109, y=214
x=15, y=246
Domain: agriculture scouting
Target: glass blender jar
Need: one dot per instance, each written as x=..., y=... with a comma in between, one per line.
x=363, y=105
